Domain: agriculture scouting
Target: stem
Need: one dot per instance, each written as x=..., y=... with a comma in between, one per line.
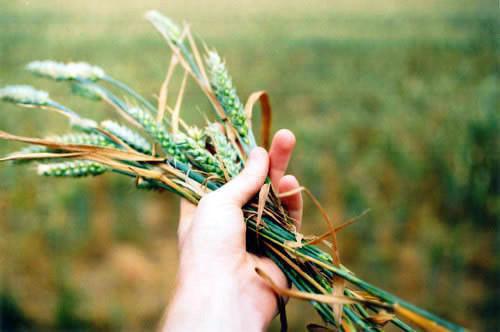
x=130, y=91
x=64, y=110
x=383, y=295
x=192, y=174
x=189, y=58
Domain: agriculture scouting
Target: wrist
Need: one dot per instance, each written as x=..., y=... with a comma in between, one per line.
x=213, y=300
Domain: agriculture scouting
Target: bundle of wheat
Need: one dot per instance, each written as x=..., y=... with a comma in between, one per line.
x=192, y=162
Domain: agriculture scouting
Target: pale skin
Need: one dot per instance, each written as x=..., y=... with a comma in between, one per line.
x=217, y=287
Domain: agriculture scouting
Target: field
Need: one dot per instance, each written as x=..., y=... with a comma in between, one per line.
x=395, y=106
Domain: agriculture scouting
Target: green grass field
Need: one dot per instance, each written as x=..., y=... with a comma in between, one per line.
x=395, y=106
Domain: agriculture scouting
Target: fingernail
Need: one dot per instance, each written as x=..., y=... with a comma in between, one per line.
x=289, y=178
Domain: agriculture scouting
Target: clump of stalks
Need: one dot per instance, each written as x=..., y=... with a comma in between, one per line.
x=192, y=162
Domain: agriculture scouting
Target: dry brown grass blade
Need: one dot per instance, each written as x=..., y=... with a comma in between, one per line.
x=265, y=105
x=291, y=192
x=44, y=155
x=204, y=87
x=180, y=57
x=422, y=322
x=115, y=154
x=349, y=222
x=364, y=295
x=163, y=96
x=346, y=327
x=231, y=136
x=381, y=318
x=197, y=56
x=335, y=253
x=216, y=104
x=263, y=194
x=374, y=301
x=199, y=189
x=116, y=139
x=155, y=173
x=302, y=295
x=122, y=113
x=181, y=122
x=328, y=234
x=178, y=104
x=336, y=258
x=48, y=108
x=106, y=160
x=338, y=284
x=109, y=152
x=299, y=237
x=298, y=269
x=268, y=213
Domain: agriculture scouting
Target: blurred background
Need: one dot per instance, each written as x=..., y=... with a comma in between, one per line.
x=395, y=106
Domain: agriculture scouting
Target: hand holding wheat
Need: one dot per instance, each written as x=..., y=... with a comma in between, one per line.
x=227, y=295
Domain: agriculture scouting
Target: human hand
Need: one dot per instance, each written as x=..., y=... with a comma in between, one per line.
x=217, y=287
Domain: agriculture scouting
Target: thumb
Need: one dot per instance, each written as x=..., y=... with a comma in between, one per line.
x=244, y=186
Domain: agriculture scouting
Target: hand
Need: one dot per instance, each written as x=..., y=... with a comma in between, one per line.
x=217, y=287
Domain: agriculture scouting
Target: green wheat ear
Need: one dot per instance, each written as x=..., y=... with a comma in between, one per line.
x=72, y=138
x=167, y=28
x=25, y=95
x=158, y=132
x=83, y=139
x=171, y=32
x=224, y=149
x=66, y=71
x=193, y=146
x=226, y=94
x=81, y=73
x=127, y=135
x=74, y=169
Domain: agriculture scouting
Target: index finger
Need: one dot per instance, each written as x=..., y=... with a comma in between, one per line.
x=280, y=154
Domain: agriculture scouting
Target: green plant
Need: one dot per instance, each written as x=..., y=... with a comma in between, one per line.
x=189, y=162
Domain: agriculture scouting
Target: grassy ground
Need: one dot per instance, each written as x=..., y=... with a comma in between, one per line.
x=395, y=106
